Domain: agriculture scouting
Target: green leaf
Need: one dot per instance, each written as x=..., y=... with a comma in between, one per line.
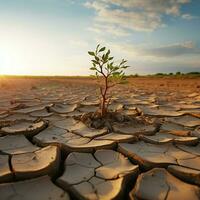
x=123, y=61
x=110, y=58
x=91, y=53
x=95, y=62
x=124, y=67
x=102, y=49
x=108, y=52
x=92, y=68
x=97, y=47
x=106, y=55
x=96, y=58
x=115, y=73
x=115, y=68
x=105, y=58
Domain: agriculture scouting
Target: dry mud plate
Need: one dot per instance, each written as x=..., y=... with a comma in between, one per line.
x=47, y=152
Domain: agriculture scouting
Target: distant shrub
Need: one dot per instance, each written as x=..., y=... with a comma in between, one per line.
x=160, y=74
x=132, y=76
x=193, y=73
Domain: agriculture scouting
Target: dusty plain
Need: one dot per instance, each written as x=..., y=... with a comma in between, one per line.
x=47, y=153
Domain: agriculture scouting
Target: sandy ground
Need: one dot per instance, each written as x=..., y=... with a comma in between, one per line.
x=146, y=83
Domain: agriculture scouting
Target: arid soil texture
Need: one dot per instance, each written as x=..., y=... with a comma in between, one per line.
x=47, y=153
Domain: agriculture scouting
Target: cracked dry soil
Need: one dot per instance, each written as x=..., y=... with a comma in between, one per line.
x=51, y=149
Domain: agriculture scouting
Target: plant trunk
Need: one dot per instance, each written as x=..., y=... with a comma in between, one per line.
x=103, y=107
x=104, y=99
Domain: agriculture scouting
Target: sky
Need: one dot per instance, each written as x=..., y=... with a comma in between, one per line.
x=52, y=37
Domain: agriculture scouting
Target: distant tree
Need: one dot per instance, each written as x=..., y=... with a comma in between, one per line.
x=178, y=73
x=171, y=74
x=112, y=74
x=159, y=74
x=193, y=73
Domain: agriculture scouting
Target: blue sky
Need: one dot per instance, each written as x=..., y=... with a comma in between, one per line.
x=52, y=37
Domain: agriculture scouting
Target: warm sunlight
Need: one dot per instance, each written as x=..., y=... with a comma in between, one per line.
x=15, y=71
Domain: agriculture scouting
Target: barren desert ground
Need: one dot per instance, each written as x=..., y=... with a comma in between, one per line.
x=47, y=152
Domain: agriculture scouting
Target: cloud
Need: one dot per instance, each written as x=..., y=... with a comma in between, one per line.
x=155, y=6
x=173, y=50
x=188, y=16
x=187, y=48
x=134, y=15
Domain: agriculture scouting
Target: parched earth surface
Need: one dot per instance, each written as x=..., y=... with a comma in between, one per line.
x=47, y=153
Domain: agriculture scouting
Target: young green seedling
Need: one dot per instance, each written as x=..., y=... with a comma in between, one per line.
x=105, y=68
